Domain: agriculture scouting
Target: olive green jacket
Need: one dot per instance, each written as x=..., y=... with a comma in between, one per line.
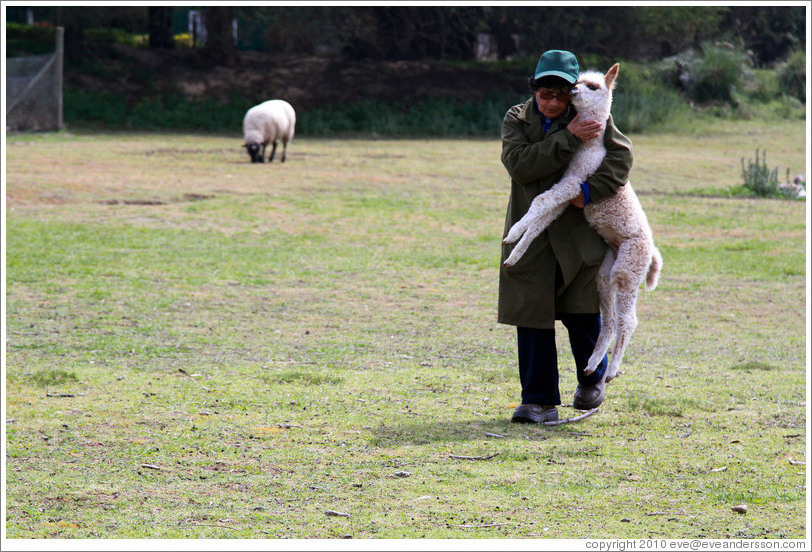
x=530, y=292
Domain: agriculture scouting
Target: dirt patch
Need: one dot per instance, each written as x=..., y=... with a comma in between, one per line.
x=181, y=199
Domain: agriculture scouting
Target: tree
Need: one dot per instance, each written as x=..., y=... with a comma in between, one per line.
x=159, y=22
x=770, y=31
x=411, y=32
x=504, y=26
x=221, y=48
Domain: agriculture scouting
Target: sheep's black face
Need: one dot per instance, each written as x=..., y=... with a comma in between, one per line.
x=255, y=151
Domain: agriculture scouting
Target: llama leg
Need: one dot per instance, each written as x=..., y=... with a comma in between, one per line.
x=517, y=230
x=535, y=223
x=524, y=243
x=547, y=216
x=627, y=323
x=606, y=296
x=545, y=208
x=628, y=274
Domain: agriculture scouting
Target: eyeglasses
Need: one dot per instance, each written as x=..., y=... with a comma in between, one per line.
x=562, y=96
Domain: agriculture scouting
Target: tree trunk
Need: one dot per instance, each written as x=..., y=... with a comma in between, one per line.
x=221, y=47
x=160, y=27
x=502, y=28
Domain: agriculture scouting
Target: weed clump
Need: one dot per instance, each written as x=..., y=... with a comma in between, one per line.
x=45, y=378
x=761, y=180
x=758, y=177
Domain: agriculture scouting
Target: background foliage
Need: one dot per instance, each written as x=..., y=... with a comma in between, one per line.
x=638, y=33
x=678, y=63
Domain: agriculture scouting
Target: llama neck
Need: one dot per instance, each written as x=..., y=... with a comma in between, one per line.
x=599, y=114
x=594, y=113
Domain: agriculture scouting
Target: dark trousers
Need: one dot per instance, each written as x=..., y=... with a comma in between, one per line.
x=538, y=361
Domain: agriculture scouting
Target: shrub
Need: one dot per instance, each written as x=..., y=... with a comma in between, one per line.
x=109, y=35
x=153, y=112
x=676, y=71
x=88, y=106
x=718, y=74
x=29, y=40
x=763, y=86
x=438, y=116
x=712, y=76
x=183, y=40
x=642, y=101
x=792, y=75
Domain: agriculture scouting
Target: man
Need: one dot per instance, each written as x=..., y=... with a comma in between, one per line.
x=555, y=279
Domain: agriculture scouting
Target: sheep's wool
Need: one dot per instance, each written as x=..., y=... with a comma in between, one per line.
x=269, y=123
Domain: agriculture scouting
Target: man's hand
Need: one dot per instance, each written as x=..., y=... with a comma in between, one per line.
x=578, y=201
x=585, y=130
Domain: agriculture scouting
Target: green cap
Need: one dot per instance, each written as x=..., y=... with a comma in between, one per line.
x=558, y=63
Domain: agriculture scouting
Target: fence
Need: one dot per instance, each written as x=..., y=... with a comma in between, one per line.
x=34, y=90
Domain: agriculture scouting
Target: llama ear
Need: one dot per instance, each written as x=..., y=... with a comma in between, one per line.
x=611, y=75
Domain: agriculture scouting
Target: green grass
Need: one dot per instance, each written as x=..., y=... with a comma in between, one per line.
x=320, y=336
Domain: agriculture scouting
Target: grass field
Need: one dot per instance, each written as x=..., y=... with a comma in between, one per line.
x=200, y=347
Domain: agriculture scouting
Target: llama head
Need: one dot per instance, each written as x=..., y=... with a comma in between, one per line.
x=593, y=92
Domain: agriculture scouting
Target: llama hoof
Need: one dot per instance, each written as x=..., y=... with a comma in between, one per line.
x=514, y=234
x=507, y=264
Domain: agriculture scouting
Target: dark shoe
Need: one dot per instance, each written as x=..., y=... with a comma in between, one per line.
x=587, y=398
x=534, y=414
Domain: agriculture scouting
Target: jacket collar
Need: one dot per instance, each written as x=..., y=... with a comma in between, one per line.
x=530, y=115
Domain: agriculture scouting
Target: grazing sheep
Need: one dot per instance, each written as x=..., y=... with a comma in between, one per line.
x=268, y=122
